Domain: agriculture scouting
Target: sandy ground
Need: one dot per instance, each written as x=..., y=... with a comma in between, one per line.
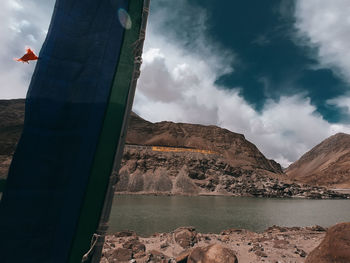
x=274, y=245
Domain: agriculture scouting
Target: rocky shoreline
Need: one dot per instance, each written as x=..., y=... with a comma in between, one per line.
x=283, y=191
x=149, y=172
x=186, y=245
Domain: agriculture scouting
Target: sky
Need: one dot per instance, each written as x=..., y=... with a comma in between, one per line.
x=277, y=71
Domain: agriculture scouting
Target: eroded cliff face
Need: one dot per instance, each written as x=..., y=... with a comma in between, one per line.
x=233, y=147
x=231, y=165
x=146, y=171
x=227, y=163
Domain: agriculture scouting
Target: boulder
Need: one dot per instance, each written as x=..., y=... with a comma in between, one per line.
x=186, y=237
x=156, y=256
x=231, y=231
x=182, y=258
x=300, y=252
x=260, y=253
x=280, y=244
x=212, y=254
x=125, y=233
x=135, y=245
x=316, y=228
x=335, y=247
x=121, y=255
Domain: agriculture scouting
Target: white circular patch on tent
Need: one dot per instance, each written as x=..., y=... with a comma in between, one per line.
x=124, y=18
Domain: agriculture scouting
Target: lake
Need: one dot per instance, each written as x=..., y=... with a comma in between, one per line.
x=149, y=214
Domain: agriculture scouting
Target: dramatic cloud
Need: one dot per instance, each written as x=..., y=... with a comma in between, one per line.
x=325, y=25
x=178, y=84
x=23, y=23
x=290, y=127
x=182, y=63
x=342, y=102
x=176, y=91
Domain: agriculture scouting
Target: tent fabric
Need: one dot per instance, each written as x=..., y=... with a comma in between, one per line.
x=61, y=150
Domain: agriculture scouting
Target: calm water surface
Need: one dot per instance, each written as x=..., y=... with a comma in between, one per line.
x=149, y=214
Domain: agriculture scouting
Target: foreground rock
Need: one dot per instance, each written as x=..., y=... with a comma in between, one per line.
x=335, y=248
x=186, y=237
x=185, y=245
x=212, y=254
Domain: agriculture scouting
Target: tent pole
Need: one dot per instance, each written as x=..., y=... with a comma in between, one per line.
x=99, y=237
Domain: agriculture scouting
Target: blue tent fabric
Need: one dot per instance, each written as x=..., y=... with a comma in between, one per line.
x=65, y=107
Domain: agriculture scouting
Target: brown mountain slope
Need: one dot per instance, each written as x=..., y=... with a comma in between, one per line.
x=232, y=146
x=229, y=145
x=11, y=124
x=326, y=164
x=197, y=159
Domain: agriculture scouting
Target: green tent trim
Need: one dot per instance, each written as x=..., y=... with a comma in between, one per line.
x=112, y=135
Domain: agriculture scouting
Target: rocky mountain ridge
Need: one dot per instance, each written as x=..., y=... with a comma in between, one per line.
x=197, y=160
x=145, y=171
x=232, y=146
x=11, y=124
x=327, y=164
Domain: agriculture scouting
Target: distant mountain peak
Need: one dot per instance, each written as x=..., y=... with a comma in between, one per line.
x=328, y=163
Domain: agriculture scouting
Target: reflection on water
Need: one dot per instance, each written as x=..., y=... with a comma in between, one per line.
x=150, y=214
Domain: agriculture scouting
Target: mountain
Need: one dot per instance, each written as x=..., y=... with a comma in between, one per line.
x=180, y=158
x=327, y=164
x=238, y=151
x=11, y=124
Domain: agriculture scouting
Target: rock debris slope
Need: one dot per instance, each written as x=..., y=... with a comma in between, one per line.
x=327, y=164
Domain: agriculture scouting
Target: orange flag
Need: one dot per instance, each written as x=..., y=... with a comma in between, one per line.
x=28, y=56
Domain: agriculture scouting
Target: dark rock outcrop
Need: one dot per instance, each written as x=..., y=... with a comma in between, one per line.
x=186, y=237
x=156, y=256
x=135, y=246
x=125, y=233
